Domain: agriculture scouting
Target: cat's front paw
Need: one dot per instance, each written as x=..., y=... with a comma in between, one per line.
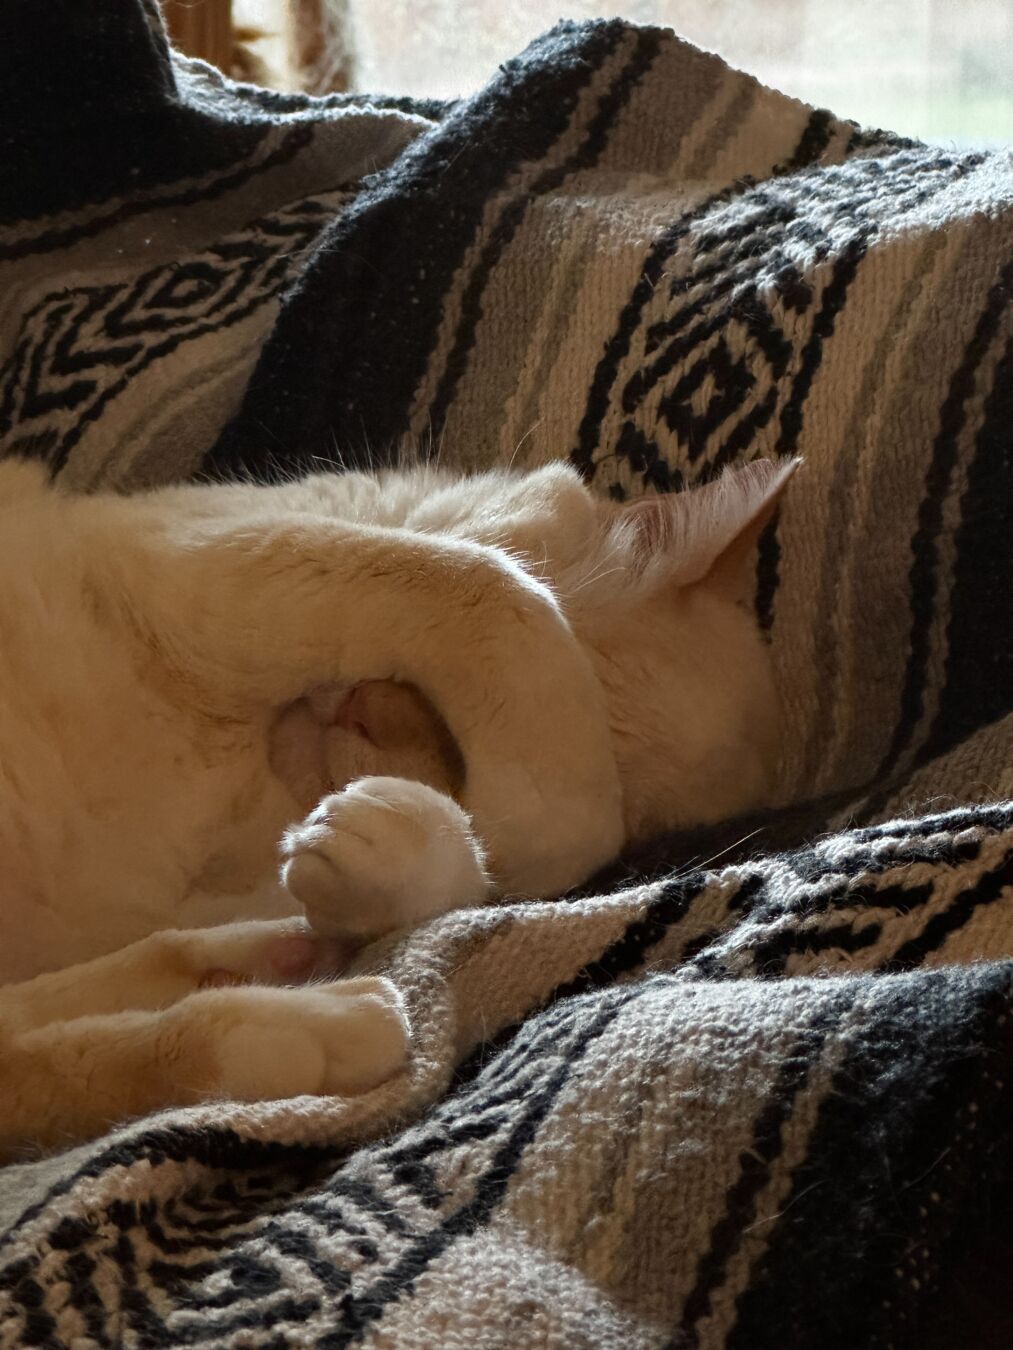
x=385, y=853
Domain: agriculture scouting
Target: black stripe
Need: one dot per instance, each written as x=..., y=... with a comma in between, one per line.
x=768, y=574
x=979, y=816
x=274, y=279
x=961, y=908
x=814, y=140
x=842, y=274
x=500, y=1072
x=502, y=1057
x=906, y=849
x=978, y=686
x=91, y=109
x=892, y=1174
x=610, y=105
x=780, y=930
x=39, y=1326
x=755, y=1163
x=845, y=266
x=618, y=345
x=251, y=1276
x=628, y=952
x=922, y=578
x=790, y=830
x=212, y=1148
x=343, y=360
x=139, y=1314
x=770, y=956
x=294, y=141
x=289, y=1310
x=78, y=1271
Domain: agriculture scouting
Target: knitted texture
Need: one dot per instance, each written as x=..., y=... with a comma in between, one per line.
x=745, y=1101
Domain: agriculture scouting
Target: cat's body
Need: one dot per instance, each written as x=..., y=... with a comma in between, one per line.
x=185, y=674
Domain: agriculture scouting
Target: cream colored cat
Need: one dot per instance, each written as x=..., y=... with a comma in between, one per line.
x=460, y=688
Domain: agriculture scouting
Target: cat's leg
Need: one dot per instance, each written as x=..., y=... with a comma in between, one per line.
x=69, y=1081
x=386, y=853
x=242, y=618
x=161, y=969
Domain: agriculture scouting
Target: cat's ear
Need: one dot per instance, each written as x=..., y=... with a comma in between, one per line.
x=706, y=536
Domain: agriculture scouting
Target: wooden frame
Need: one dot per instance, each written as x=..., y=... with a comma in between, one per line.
x=201, y=28
x=315, y=58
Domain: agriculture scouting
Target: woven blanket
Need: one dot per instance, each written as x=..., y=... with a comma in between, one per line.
x=745, y=1098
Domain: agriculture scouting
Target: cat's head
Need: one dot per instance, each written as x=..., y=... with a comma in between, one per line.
x=663, y=597
x=660, y=591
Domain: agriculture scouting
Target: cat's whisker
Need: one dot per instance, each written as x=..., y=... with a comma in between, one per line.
x=599, y=574
x=527, y=435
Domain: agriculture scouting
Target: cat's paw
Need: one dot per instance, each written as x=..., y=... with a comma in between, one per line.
x=385, y=853
x=340, y=1039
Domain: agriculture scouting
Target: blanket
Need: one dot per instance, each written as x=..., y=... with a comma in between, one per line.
x=740, y=1091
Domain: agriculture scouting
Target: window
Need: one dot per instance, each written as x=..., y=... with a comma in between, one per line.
x=941, y=70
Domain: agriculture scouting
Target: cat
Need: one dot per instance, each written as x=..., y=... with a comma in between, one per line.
x=457, y=687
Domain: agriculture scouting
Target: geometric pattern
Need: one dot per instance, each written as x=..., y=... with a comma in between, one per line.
x=714, y=364
x=172, y=1234
x=79, y=347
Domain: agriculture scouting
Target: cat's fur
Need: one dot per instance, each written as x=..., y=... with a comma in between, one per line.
x=461, y=688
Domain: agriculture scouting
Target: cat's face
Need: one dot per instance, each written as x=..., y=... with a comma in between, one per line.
x=661, y=594
x=658, y=592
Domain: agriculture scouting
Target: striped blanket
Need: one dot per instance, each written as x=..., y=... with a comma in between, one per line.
x=722, y=1098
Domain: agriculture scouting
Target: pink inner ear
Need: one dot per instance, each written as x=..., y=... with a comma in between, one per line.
x=687, y=536
x=350, y=714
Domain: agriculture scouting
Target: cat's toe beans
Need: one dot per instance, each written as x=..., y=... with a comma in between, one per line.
x=298, y=956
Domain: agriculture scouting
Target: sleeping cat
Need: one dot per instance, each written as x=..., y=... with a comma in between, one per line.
x=459, y=688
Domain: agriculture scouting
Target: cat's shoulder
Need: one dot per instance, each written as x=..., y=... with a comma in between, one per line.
x=22, y=481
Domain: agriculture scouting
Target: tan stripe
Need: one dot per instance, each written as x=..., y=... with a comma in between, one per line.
x=519, y=183
x=843, y=610
x=797, y=1133
x=850, y=468
x=631, y=1170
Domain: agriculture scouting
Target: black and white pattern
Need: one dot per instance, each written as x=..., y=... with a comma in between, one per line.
x=752, y=1086
x=79, y=348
